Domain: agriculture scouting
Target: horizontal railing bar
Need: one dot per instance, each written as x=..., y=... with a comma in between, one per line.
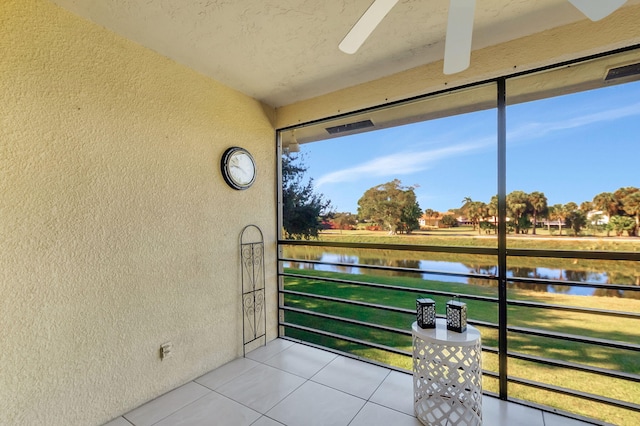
x=575, y=366
x=482, y=323
x=577, y=254
x=374, y=362
x=376, y=306
x=575, y=393
x=525, y=280
x=398, y=247
x=391, y=287
x=350, y=302
x=362, y=323
x=565, y=254
x=473, y=297
x=582, y=395
x=511, y=302
x=542, y=281
x=490, y=374
x=577, y=309
x=347, y=339
x=391, y=268
x=360, y=342
x=347, y=320
x=357, y=283
x=525, y=357
x=574, y=338
x=491, y=350
x=600, y=342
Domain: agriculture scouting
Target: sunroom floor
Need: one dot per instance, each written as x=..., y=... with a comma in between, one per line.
x=287, y=383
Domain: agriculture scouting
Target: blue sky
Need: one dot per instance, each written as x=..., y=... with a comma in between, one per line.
x=571, y=148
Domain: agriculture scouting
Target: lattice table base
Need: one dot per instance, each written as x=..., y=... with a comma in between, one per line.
x=447, y=381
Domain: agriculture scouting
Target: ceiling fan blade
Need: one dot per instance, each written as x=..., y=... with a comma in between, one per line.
x=457, y=45
x=597, y=9
x=365, y=25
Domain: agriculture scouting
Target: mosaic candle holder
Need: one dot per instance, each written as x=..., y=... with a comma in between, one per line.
x=426, y=313
x=456, y=316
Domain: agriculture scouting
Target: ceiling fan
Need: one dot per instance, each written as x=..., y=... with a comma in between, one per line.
x=457, y=48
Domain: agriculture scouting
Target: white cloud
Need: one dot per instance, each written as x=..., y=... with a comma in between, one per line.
x=402, y=163
x=538, y=129
x=408, y=162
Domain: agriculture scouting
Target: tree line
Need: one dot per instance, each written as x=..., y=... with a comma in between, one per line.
x=526, y=210
x=393, y=207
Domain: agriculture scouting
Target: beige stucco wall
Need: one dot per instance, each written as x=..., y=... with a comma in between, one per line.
x=549, y=47
x=118, y=232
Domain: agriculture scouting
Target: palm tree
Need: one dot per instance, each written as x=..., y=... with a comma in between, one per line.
x=623, y=192
x=430, y=213
x=518, y=204
x=538, y=202
x=631, y=205
x=477, y=210
x=620, y=224
x=492, y=210
x=586, y=206
x=570, y=207
x=559, y=213
x=464, y=209
x=607, y=203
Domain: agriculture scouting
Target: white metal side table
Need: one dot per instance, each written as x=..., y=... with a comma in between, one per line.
x=447, y=375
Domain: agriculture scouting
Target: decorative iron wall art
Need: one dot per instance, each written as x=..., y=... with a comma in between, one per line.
x=254, y=313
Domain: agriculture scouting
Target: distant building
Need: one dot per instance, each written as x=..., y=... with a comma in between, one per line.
x=597, y=217
x=431, y=222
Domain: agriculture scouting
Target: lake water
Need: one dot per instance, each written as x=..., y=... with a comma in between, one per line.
x=583, y=276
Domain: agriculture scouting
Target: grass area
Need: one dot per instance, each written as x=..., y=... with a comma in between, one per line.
x=581, y=324
x=465, y=236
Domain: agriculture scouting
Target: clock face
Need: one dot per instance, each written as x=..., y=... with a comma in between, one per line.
x=238, y=168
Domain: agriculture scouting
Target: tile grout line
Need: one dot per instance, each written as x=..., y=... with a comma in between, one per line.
x=183, y=407
x=276, y=368
x=309, y=379
x=378, y=387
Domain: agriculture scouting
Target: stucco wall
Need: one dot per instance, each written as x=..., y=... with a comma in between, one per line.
x=118, y=232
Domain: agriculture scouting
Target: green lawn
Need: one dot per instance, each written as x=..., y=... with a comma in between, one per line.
x=465, y=236
x=591, y=325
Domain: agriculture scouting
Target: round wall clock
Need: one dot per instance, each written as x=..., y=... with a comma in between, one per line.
x=238, y=168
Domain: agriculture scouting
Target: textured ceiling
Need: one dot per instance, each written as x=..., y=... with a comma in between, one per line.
x=284, y=51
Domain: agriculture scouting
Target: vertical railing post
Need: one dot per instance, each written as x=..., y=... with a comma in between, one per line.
x=279, y=226
x=502, y=237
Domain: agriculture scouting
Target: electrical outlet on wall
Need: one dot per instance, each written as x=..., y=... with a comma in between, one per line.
x=166, y=350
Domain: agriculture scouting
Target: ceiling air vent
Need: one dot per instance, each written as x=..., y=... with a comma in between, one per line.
x=622, y=72
x=349, y=127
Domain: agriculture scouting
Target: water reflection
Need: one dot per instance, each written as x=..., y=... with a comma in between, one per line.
x=627, y=277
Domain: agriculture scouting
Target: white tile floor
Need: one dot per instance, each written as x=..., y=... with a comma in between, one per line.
x=286, y=383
